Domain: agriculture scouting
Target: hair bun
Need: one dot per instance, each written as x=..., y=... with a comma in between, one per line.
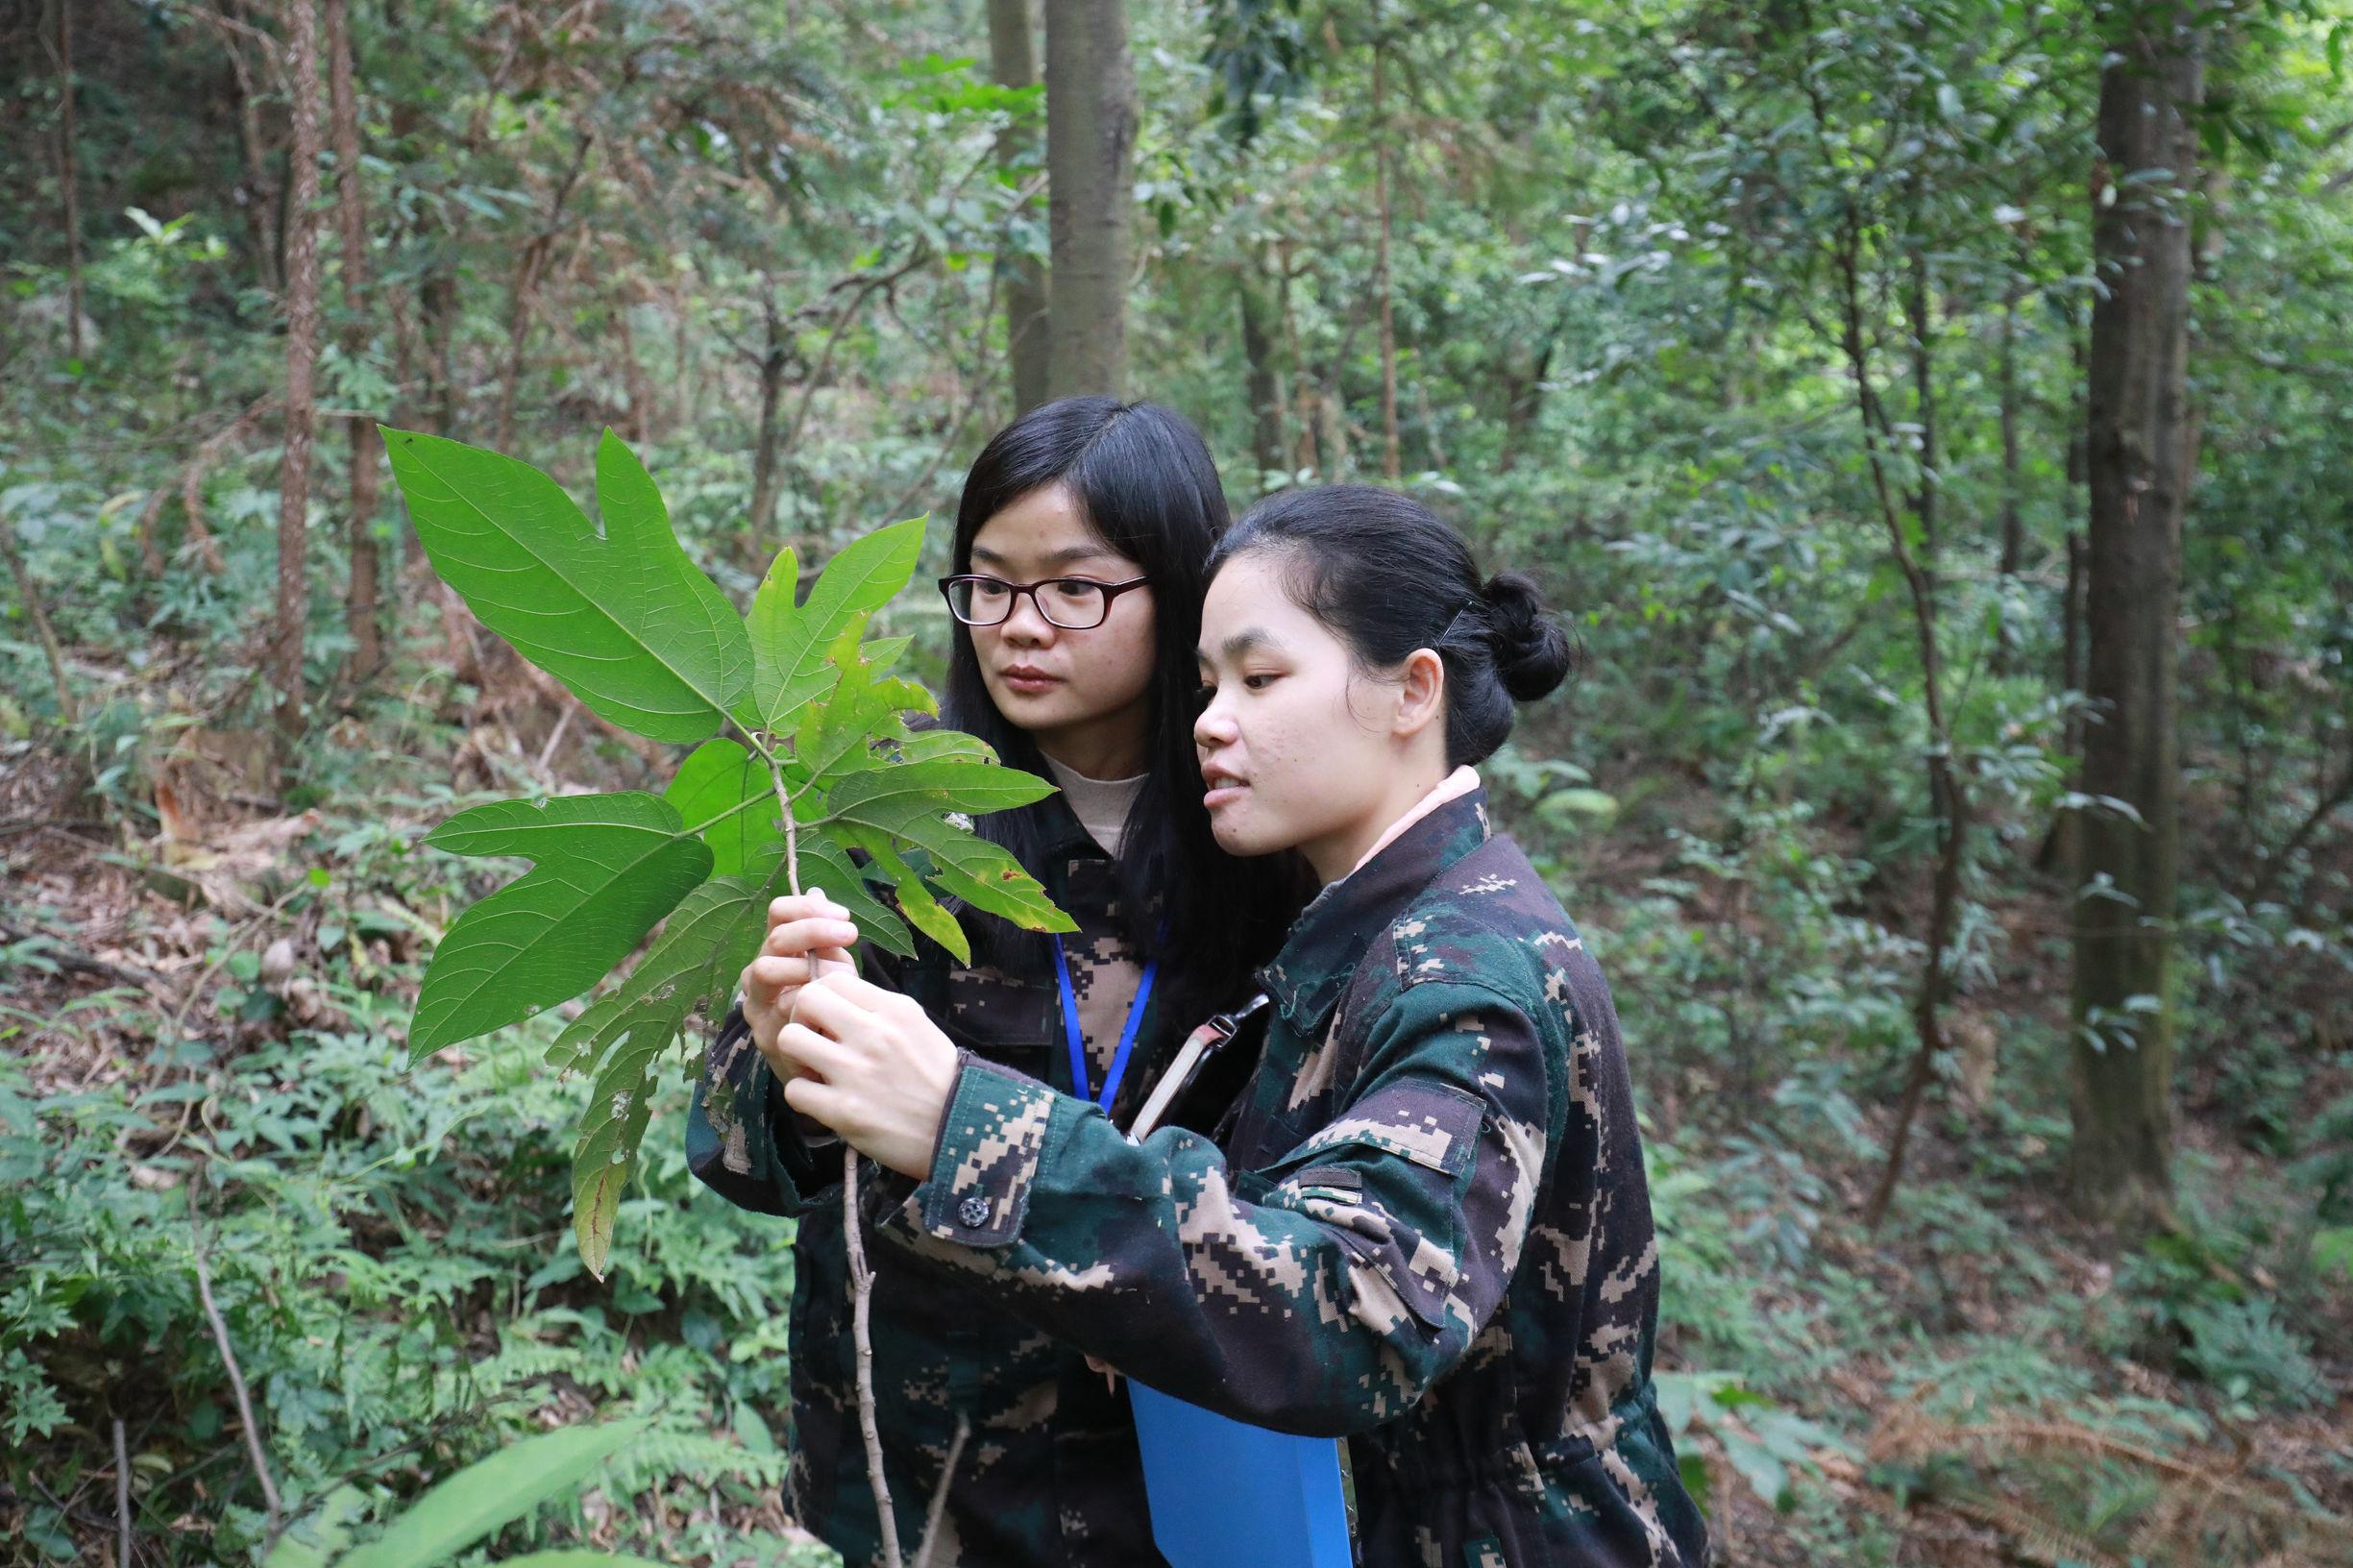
x=1533, y=653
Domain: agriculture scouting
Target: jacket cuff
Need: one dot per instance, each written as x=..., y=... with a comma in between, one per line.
x=991, y=1141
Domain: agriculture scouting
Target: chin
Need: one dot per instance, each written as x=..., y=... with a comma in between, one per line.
x=1241, y=839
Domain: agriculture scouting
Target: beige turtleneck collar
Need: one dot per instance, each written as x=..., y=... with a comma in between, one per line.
x=1100, y=804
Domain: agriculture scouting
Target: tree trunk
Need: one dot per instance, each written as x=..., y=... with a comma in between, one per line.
x=301, y=248
x=1089, y=151
x=760, y=528
x=362, y=601
x=2013, y=519
x=1266, y=381
x=260, y=196
x=69, y=180
x=1389, y=460
x=2137, y=396
x=1013, y=58
x=521, y=295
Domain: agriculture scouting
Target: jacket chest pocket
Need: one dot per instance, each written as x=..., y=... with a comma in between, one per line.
x=1002, y=1017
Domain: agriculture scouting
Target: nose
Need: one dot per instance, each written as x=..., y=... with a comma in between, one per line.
x=1214, y=727
x=1027, y=624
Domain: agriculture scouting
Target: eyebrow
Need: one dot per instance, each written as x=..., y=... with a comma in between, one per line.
x=1247, y=641
x=1052, y=559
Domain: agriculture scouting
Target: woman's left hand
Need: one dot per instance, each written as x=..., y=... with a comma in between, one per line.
x=874, y=1068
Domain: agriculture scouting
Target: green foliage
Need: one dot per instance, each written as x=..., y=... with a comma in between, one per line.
x=645, y=640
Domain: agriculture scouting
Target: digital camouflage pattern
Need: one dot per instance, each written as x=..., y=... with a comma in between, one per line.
x=1429, y=1232
x=1050, y=1474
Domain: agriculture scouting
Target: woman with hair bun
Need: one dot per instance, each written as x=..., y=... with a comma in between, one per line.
x=1424, y=1225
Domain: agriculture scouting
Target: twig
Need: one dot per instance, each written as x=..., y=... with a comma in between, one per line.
x=939, y=1496
x=236, y=1375
x=861, y=1277
x=122, y=1498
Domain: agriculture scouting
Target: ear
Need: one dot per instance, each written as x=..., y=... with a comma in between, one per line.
x=1421, y=694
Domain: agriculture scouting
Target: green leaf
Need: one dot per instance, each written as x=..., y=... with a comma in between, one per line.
x=606, y=867
x=789, y=645
x=620, y=616
x=714, y=934
x=885, y=796
x=836, y=736
x=915, y=900
x=716, y=779
x=492, y=1493
x=826, y=865
x=931, y=744
x=577, y=1557
x=983, y=875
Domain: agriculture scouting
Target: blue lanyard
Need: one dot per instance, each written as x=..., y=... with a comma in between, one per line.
x=1078, y=1039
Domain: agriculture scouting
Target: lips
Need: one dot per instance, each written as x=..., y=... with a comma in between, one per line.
x=1027, y=679
x=1223, y=786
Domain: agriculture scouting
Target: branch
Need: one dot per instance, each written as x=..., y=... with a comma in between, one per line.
x=861, y=1276
x=236, y=1375
x=939, y=1495
x=122, y=1497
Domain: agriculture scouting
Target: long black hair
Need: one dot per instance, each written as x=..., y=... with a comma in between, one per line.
x=1388, y=576
x=1143, y=480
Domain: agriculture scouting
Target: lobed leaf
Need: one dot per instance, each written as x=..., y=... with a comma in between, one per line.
x=620, y=616
x=790, y=644
x=714, y=934
x=605, y=869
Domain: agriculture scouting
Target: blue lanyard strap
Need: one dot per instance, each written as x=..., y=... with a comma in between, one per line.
x=1078, y=1039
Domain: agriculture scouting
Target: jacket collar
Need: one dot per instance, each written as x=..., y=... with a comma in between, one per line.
x=1332, y=934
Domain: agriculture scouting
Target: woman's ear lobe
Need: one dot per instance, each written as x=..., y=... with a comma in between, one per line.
x=1421, y=696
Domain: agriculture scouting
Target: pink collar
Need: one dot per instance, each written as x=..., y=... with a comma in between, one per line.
x=1452, y=787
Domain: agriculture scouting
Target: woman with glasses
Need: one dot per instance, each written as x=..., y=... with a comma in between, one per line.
x=1075, y=585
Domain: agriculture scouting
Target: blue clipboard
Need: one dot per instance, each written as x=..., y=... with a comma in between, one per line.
x=1224, y=1492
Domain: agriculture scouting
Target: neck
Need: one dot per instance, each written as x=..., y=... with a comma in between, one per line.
x=1110, y=748
x=1337, y=853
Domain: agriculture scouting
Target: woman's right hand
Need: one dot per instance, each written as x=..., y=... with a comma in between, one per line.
x=806, y=933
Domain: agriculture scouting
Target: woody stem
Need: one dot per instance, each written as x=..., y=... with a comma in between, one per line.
x=861, y=1277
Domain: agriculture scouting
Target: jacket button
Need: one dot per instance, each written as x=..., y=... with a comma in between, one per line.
x=973, y=1210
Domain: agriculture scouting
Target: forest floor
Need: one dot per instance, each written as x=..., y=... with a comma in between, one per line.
x=1981, y=1382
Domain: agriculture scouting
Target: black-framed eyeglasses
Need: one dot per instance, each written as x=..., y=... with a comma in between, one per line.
x=1072, y=604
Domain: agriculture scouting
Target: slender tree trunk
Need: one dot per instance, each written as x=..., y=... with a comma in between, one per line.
x=69, y=179
x=2137, y=401
x=2013, y=515
x=521, y=295
x=1920, y=311
x=362, y=601
x=1265, y=380
x=261, y=196
x=633, y=371
x=1090, y=152
x=1389, y=458
x=301, y=351
x=761, y=526
x=1013, y=57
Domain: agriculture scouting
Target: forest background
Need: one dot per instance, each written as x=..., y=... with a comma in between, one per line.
x=1934, y=416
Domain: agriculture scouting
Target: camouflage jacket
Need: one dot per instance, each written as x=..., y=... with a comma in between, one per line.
x=1050, y=1474
x=1428, y=1228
